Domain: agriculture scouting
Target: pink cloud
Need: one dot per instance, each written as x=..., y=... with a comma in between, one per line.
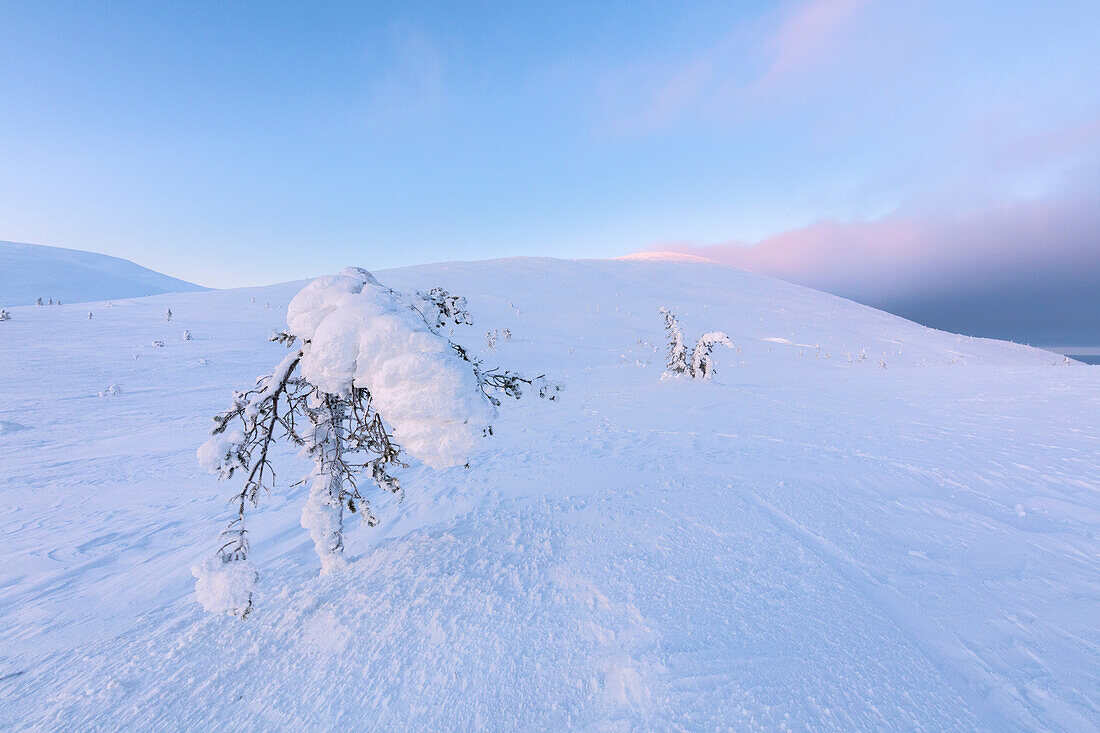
x=710, y=80
x=895, y=257
x=806, y=34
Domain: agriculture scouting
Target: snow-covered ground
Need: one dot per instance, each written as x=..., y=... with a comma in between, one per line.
x=807, y=541
x=31, y=271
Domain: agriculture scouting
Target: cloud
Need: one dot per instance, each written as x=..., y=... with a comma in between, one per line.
x=1028, y=270
x=806, y=35
x=408, y=85
x=726, y=77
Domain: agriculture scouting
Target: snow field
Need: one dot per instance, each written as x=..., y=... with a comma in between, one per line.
x=804, y=541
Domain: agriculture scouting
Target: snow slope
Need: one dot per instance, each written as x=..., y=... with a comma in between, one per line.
x=30, y=271
x=805, y=542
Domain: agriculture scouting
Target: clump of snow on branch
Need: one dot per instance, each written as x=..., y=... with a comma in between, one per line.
x=225, y=586
x=361, y=335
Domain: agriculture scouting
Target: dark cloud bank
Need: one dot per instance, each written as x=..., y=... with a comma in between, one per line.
x=1028, y=272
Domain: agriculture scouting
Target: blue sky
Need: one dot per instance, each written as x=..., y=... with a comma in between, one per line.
x=232, y=144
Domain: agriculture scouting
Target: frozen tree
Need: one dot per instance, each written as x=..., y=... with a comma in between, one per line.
x=491, y=340
x=366, y=367
x=186, y=335
x=702, y=366
x=4, y=315
x=89, y=315
x=50, y=302
x=168, y=315
x=677, y=352
x=38, y=301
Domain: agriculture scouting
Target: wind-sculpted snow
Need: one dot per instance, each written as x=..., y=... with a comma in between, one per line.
x=359, y=333
x=807, y=541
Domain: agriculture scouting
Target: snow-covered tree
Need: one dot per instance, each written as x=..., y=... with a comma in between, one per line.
x=367, y=367
x=38, y=301
x=168, y=315
x=186, y=335
x=677, y=352
x=702, y=366
x=4, y=315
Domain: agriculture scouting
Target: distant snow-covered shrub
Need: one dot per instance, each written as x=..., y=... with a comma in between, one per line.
x=677, y=352
x=4, y=315
x=111, y=391
x=186, y=335
x=701, y=365
x=157, y=343
x=367, y=367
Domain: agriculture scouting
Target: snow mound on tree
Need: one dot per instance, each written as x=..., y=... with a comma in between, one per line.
x=359, y=333
x=225, y=587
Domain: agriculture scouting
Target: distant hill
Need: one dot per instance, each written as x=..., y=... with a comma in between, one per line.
x=30, y=271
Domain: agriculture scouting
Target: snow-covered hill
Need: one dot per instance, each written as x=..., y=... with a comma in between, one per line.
x=31, y=271
x=907, y=540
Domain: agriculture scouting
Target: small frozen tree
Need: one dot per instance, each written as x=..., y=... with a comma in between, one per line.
x=366, y=364
x=4, y=315
x=702, y=365
x=38, y=301
x=677, y=352
x=168, y=315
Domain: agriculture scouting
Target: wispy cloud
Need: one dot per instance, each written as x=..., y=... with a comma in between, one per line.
x=406, y=83
x=719, y=79
x=807, y=35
